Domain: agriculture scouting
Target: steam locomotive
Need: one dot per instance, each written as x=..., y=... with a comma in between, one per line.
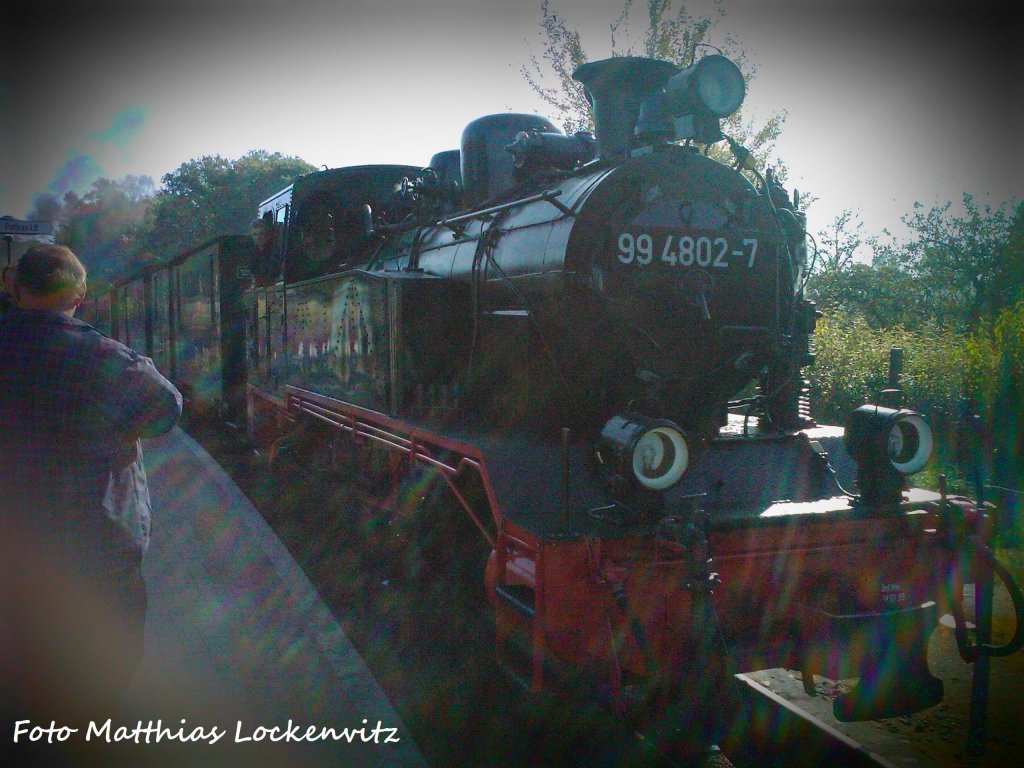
x=587, y=350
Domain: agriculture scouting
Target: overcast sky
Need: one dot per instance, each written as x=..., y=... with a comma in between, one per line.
x=887, y=102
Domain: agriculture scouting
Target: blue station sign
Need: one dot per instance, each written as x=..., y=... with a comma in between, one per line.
x=11, y=226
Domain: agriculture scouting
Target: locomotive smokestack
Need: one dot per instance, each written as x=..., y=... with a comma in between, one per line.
x=616, y=88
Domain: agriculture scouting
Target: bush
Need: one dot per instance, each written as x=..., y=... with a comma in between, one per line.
x=852, y=367
x=947, y=375
x=995, y=359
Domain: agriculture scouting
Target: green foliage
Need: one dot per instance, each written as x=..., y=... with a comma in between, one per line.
x=212, y=196
x=968, y=267
x=955, y=271
x=994, y=357
x=562, y=54
x=948, y=374
x=840, y=242
x=880, y=296
x=672, y=38
x=952, y=299
x=852, y=365
x=118, y=225
x=844, y=280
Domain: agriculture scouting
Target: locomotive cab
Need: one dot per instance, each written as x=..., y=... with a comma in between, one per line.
x=327, y=227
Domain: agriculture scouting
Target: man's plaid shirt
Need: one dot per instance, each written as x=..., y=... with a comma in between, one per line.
x=73, y=404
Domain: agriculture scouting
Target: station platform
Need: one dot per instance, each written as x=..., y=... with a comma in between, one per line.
x=238, y=641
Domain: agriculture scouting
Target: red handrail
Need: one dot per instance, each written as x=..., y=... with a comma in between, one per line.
x=416, y=444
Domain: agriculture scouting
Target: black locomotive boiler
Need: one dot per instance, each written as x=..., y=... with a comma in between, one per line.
x=587, y=351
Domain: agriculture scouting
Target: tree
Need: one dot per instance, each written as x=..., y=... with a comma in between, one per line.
x=955, y=270
x=677, y=38
x=104, y=226
x=883, y=295
x=1007, y=285
x=840, y=243
x=969, y=267
x=212, y=196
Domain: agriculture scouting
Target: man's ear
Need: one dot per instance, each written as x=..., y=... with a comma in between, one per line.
x=71, y=301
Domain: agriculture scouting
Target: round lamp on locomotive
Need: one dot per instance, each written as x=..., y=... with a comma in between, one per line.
x=633, y=96
x=702, y=94
x=888, y=444
x=641, y=453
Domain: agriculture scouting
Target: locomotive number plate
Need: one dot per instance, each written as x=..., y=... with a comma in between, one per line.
x=686, y=251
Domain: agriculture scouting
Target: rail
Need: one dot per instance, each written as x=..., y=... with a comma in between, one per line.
x=551, y=196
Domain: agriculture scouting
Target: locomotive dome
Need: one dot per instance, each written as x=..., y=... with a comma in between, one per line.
x=487, y=168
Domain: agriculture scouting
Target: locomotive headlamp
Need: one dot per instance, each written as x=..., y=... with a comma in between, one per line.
x=714, y=84
x=900, y=438
x=648, y=452
x=887, y=444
